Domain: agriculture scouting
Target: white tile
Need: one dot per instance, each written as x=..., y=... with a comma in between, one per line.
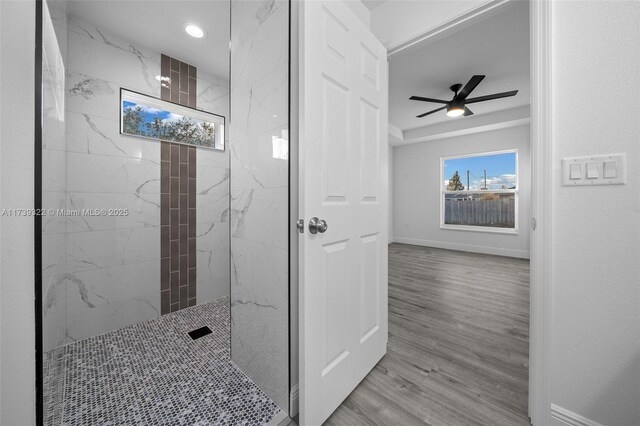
x=87, y=94
x=103, y=249
x=257, y=160
x=251, y=209
x=89, y=134
x=97, y=54
x=53, y=223
x=249, y=16
x=85, y=322
x=260, y=317
x=106, y=299
x=212, y=208
x=212, y=158
x=53, y=259
x=212, y=274
x=259, y=189
x=124, y=211
x=213, y=94
x=212, y=181
x=101, y=173
x=54, y=315
x=53, y=171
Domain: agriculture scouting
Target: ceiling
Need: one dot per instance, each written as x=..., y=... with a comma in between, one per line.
x=159, y=25
x=372, y=4
x=497, y=47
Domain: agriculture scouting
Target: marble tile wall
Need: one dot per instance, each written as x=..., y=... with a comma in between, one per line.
x=259, y=193
x=54, y=169
x=113, y=262
x=109, y=275
x=212, y=193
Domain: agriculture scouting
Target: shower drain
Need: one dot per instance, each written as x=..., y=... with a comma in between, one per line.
x=199, y=332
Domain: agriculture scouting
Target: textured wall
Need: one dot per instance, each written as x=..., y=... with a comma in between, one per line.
x=595, y=354
x=259, y=193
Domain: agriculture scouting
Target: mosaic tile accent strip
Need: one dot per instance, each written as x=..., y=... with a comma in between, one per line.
x=153, y=373
x=177, y=227
x=177, y=196
x=178, y=82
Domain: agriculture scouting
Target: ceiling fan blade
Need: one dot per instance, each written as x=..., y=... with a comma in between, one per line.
x=430, y=112
x=491, y=97
x=468, y=88
x=467, y=112
x=420, y=98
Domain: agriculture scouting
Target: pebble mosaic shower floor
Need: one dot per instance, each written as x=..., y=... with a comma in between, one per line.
x=153, y=373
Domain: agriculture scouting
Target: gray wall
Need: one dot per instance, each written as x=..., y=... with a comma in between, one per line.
x=259, y=193
x=416, y=193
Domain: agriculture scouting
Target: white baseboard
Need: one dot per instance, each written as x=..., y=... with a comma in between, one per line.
x=571, y=418
x=523, y=254
x=293, y=400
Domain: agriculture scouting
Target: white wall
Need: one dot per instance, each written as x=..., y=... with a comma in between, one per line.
x=416, y=191
x=397, y=21
x=595, y=356
x=17, y=327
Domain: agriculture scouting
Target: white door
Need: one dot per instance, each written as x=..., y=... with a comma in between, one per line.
x=343, y=181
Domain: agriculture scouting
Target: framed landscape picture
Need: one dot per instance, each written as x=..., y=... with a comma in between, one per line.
x=152, y=118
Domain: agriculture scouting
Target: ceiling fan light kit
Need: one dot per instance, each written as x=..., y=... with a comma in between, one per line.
x=457, y=106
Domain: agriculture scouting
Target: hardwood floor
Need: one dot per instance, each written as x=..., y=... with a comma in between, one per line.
x=458, y=343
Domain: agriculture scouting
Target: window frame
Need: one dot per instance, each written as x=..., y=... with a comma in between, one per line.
x=473, y=228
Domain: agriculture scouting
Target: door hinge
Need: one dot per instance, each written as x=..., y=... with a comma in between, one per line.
x=534, y=224
x=300, y=225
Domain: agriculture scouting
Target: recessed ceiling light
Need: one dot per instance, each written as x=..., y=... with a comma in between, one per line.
x=194, y=31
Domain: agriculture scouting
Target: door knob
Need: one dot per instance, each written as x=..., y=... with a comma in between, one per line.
x=316, y=225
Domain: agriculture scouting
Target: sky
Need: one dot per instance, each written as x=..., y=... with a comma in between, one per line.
x=501, y=170
x=149, y=113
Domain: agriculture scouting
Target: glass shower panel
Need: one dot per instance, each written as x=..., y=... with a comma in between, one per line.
x=260, y=194
x=140, y=226
x=136, y=240
x=154, y=196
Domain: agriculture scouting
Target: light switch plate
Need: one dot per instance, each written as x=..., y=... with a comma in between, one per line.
x=596, y=167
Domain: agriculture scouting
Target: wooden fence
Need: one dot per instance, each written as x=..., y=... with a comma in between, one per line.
x=497, y=213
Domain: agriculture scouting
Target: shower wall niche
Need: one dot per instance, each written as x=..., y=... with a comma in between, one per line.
x=105, y=272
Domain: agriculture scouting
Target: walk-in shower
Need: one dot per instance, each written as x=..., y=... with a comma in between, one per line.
x=164, y=152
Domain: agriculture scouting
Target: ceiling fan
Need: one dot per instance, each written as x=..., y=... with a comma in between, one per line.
x=457, y=106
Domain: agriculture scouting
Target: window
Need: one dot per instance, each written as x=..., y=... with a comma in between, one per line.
x=480, y=192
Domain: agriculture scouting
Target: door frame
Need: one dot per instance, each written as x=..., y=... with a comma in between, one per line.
x=540, y=296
